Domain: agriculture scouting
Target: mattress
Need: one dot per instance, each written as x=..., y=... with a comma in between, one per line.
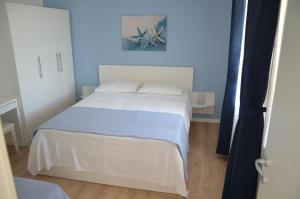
x=180, y=105
x=123, y=161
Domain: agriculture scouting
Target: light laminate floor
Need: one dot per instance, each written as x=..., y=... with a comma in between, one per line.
x=206, y=172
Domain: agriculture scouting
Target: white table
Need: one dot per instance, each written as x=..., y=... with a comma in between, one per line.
x=7, y=104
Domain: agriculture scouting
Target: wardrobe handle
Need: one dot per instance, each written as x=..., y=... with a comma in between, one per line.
x=40, y=66
x=57, y=62
x=61, y=65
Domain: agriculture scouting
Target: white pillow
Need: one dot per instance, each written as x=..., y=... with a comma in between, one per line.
x=121, y=86
x=160, y=89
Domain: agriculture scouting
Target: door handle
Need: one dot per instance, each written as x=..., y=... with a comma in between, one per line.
x=259, y=164
x=57, y=62
x=40, y=66
x=61, y=64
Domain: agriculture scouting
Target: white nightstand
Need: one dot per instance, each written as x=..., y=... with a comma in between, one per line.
x=203, y=102
x=87, y=90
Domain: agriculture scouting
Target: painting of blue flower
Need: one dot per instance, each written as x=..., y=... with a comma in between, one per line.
x=146, y=33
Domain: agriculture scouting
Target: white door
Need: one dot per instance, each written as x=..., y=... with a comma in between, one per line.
x=34, y=47
x=64, y=55
x=7, y=186
x=280, y=177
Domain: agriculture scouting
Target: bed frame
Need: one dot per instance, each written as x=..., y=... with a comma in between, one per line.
x=181, y=76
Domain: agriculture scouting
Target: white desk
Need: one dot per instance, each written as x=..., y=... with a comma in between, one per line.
x=7, y=104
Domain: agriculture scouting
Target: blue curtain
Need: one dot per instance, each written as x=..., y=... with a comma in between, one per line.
x=236, y=33
x=241, y=176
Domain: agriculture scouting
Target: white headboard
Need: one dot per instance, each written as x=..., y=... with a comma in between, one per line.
x=181, y=76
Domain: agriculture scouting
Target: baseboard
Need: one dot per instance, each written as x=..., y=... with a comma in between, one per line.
x=208, y=120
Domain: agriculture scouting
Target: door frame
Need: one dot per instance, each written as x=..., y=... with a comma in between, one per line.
x=7, y=186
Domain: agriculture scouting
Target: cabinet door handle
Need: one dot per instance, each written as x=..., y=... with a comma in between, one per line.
x=40, y=66
x=57, y=62
x=61, y=64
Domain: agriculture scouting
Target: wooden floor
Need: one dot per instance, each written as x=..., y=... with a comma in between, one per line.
x=206, y=172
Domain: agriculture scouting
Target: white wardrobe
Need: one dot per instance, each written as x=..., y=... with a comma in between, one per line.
x=42, y=48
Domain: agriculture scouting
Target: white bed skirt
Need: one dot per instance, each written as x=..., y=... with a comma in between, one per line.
x=129, y=162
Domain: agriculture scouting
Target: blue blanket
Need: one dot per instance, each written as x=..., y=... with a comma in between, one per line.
x=123, y=123
x=35, y=189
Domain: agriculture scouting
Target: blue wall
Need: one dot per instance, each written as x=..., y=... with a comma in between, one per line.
x=198, y=36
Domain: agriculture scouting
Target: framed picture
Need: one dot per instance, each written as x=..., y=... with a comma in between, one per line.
x=145, y=33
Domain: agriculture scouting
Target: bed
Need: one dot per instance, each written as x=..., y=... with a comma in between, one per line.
x=114, y=143
x=35, y=189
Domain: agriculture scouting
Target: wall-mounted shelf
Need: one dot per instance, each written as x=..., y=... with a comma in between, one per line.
x=203, y=102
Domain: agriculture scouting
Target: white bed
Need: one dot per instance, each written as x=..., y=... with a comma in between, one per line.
x=130, y=162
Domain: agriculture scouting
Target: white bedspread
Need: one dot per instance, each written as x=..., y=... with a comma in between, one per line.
x=130, y=162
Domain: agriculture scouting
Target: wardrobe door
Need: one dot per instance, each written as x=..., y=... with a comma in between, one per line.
x=51, y=84
x=32, y=43
x=65, y=58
